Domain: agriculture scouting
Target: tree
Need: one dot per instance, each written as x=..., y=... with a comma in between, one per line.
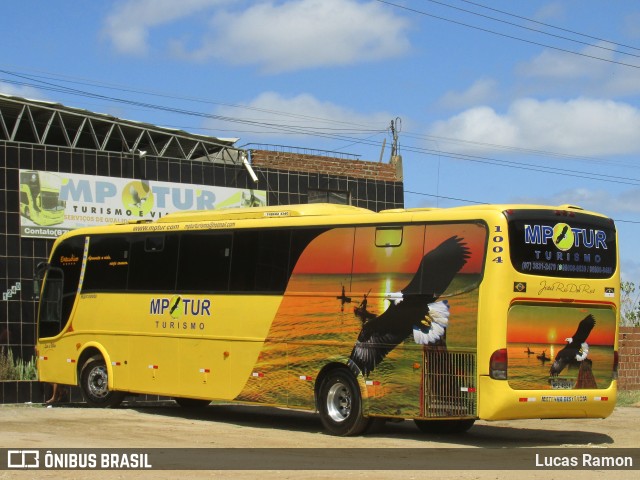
x=629, y=305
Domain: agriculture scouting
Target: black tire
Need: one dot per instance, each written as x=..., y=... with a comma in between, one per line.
x=94, y=383
x=340, y=404
x=445, y=427
x=192, y=403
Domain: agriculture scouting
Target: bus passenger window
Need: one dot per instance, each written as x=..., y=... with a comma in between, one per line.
x=260, y=261
x=107, y=264
x=204, y=262
x=152, y=266
x=388, y=236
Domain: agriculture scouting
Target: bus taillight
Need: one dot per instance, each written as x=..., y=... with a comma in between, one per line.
x=615, y=364
x=498, y=364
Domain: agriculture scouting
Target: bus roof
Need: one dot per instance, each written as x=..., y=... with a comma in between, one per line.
x=306, y=210
x=329, y=209
x=320, y=214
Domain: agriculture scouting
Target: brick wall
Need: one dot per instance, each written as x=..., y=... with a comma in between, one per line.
x=329, y=165
x=291, y=178
x=629, y=350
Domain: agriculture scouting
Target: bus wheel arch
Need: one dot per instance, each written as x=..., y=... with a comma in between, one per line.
x=93, y=379
x=340, y=402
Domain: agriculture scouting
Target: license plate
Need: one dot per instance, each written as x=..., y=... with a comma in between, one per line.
x=562, y=383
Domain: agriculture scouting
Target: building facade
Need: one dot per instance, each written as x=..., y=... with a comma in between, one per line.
x=52, y=156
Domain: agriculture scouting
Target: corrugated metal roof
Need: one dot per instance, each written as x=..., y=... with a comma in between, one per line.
x=48, y=123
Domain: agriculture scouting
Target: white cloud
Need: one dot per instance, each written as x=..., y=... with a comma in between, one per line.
x=21, y=91
x=582, y=73
x=127, y=27
x=622, y=81
x=278, y=37
x=304, y=34
x=554, y=64
x=578, y=127
x=481, y=91
x=278, y=116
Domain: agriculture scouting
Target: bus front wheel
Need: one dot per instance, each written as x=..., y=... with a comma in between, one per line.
x=94, y=382
x=340, y=404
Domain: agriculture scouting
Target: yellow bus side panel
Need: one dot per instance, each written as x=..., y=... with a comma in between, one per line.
x=205, y=347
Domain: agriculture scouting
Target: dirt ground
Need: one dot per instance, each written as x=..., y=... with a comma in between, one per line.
x=222, y=426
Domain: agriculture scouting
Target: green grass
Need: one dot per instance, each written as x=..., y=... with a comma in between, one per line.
x=628, y=398
x=11, y=369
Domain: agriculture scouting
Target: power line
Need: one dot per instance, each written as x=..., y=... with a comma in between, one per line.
x=342, y=135
x=513, y=37
x=527, y=166
x=528, y=151
x=320, y=132
x=466, y=200
x=532, y=29
x=551, y=26
x=446, y=198
x=106, y=86
x=355, y=130
x=275, y=126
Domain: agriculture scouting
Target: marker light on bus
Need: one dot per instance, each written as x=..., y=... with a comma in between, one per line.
x=498, y=364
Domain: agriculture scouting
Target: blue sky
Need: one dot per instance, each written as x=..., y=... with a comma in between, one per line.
x=535, y=101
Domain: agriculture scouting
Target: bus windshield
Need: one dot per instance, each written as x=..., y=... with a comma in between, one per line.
x=562, y=243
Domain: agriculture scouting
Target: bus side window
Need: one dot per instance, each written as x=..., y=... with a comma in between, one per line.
x=260, y=261
x=205, y=258
x=389, y=236
x=107, y=264
x=152, y=266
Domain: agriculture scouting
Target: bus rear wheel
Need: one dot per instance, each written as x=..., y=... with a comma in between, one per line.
x=340, y=404
x=94, y=383
x=450, y=427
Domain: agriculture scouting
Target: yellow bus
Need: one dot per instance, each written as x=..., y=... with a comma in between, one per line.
x=443, y=316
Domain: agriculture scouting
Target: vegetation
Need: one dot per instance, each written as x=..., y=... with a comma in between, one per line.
x=11, y=369
x=628, y=398
x=629, y=305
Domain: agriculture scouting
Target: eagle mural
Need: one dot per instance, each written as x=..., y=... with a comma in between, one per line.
x=415, y=309
x=576, y=349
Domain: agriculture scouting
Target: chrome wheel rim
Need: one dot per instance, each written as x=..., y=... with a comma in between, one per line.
x=339, y=402
x=97, y=382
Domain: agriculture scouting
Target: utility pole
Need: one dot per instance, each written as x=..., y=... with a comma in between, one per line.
x=396, y=158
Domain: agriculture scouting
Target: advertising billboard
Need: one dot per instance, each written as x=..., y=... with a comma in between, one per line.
x=54, y=203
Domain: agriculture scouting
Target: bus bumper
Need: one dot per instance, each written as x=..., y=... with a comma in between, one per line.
x=498, y=401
